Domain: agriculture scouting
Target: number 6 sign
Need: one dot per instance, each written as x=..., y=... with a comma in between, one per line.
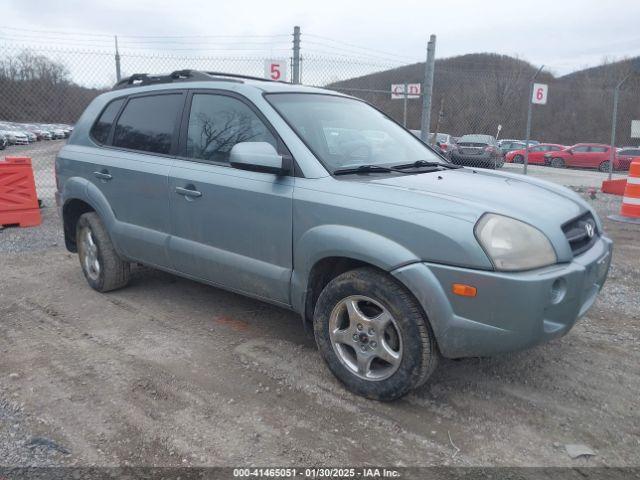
x=539, y=93
x=275, y=70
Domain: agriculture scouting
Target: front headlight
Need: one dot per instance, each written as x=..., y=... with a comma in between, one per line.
x=512, y=244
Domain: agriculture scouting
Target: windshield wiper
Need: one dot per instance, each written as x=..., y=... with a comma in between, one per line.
x=425, y=163
x=367, y=169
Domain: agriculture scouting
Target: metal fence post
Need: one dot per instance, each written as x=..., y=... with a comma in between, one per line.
x=427, y=90
x=117, y=61
x=528, y=136
x=404, y=113
x=296, y=55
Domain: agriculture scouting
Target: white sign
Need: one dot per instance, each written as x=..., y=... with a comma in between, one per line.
x=275, y=70
x=540, y=93
x=635, y=128
x=413, y=90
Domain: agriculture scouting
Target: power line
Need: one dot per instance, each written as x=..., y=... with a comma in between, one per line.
x=109, y=35
x=351, y=45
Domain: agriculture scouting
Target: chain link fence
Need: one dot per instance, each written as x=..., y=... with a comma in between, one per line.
x=45, y=88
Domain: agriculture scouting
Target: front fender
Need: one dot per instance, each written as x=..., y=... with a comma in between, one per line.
x=342, y=241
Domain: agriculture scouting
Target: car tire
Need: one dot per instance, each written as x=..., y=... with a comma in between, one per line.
x=102, y=266
x=604, y=166
x=518, y=159
x=557, y=162
x=364, y=315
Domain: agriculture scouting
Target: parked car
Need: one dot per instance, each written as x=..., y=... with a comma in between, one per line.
x=507, y=146
x=10, y=136
x=477, y=150
x=585, y=155
x=3, y=141
x=626, y=155
x=536, y=153
x=391, y=255
x=444, y=142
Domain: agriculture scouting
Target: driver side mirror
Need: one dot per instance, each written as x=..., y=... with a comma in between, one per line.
x=258, y=157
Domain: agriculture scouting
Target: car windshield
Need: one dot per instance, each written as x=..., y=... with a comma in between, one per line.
x=343, y=132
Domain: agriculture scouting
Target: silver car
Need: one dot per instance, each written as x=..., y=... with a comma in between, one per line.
x=319, y=203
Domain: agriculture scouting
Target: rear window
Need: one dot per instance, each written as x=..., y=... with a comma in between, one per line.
x=148, y=123
x=101, y=129
x=488, y=139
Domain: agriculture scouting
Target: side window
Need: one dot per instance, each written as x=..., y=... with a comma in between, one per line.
x=554, y=149
x=217, y=123
x=538, y=149
x=147, y=123
x=599, y=149
x=581, y=149
x=101, y=129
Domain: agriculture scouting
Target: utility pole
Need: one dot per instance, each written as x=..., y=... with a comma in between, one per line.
x=296, y=55
x=528, y=137
x=427, y=90
x=117, y=61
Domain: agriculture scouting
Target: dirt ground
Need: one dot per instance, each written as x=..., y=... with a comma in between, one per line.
x=169, y=372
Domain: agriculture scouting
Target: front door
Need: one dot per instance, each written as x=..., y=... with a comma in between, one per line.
x=229, y=227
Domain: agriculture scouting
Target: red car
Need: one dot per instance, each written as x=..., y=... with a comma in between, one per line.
x=585, y=155
x=536, y=153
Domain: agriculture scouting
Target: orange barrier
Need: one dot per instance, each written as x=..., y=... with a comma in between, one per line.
x=18, y=199
x=630, y=210
x=614, y=187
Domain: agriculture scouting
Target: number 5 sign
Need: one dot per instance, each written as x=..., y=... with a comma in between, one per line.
x=275, y=70
x=540, y=93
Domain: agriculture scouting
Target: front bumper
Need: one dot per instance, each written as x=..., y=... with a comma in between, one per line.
x=511, y=311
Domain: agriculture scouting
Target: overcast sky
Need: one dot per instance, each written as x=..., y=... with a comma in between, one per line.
x=563, y=34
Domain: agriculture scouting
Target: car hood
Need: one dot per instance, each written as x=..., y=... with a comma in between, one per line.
x=467, y=194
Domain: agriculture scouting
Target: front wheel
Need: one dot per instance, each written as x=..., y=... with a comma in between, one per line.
x=557, y=162
x=518, y=159
x=373, y=335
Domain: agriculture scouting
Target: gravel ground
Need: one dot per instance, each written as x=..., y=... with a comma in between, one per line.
x=169, y=372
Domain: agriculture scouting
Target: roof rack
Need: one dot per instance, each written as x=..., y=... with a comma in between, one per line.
x=142, y=79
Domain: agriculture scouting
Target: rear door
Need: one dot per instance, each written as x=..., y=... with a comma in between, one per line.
x=229, y=227
x=597, y=155
x=132, y=170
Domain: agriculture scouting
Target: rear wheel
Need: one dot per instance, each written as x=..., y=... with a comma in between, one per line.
x=604, y=166
x=101, y=265
x=518, y=159
x=557, y=162
x=373, y=336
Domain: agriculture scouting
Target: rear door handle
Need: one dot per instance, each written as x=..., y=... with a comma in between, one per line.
x=188, y=192
x=104, y=175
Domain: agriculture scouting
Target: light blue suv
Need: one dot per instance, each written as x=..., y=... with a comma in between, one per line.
x=319, y=203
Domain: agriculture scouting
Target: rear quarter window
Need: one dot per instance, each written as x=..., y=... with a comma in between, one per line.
x=101, y=129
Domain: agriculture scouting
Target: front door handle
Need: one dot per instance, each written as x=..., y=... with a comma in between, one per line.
x=103, y=175
x=188, y=192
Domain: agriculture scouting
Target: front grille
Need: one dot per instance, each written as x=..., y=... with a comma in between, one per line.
x=577, y=233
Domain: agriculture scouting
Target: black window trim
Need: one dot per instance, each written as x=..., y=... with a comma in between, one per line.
x=113, y=123
x=176, y=130
x=181, y=154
